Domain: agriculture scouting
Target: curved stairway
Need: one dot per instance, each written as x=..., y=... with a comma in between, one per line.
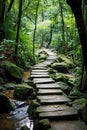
x=55, y=106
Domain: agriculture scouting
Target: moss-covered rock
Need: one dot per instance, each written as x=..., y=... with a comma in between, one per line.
x=25, y=128
x=5, y=104
x=9, y=85
x=66, y=78
x=32, y=108
x=13, y=71
x=79, y=104
x=22, y=91
x=60, y=67
x=44, y=124
x=67, y=60
x=66, y=89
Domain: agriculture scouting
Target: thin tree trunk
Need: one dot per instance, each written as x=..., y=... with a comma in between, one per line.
x=34, y=35
x=10, y=6
x=18, y=27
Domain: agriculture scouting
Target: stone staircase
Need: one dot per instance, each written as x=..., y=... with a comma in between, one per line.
x=55, y=106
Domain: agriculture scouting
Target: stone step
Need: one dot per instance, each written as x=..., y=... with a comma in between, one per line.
x=39, y=73
x=48, y=85
x=68, y=125
x=42, y=80
x=39, y=76
x=39, y=70
x=39, y=67
x=49, y=91
x=69, y=113
x=53, y=99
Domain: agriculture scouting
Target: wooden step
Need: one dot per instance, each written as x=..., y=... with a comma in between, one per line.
x=48, y=85
x=42, y=80
x=53, y=99
x=49, y=91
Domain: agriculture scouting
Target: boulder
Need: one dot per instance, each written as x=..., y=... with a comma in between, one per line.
x=5, y=104
x=60, y=67
x=66, y=89
x=22, y=91
x=67, y=60
x=25, y=128
x=84, y=113
x=9, y=85
x=79, y=104
x=66, y=78
x=32, y=108
x=13, y=71
x=44, y=124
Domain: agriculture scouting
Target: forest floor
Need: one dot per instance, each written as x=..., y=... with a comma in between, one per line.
x=55, y=105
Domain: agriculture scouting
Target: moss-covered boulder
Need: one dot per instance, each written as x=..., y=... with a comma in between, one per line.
x=32, y=108
x=12, y=71
x=60, y=67
x=66, y=78
x=66, y=88
x=22, y=91
x=79, y=104
x=5, y=104
x=25, y=128
x=67, y=60
x=44, y=124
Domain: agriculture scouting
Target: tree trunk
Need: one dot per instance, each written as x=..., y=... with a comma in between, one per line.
x=34, y=35
x=10, y=6
x=76, y=6
x=18, y=27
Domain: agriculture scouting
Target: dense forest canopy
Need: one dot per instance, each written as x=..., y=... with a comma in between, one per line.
x=26, y=25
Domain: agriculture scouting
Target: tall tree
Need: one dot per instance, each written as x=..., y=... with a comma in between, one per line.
x=18, y=26
x=76, y=6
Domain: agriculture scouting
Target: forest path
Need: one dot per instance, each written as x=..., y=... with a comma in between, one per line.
x=55, y=106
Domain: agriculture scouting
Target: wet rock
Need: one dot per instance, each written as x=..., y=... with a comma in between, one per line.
x=79, y=104
x=9, y=85
x=44, y=124
x=12, y=71
x=5, y=104
x=66, y=89
x=32, y=108
x=25, y=128
x=23, y=91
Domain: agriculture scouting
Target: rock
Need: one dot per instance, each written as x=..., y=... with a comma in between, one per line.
x=9, y=85
x=13, y=71
x=5, y=104
x=79, y=104
x=66, y=78
x=32, y=108
x=60, y=67
x=23, y=91
x=1, y=80
x=66, y=89
x=25, y=128
x=84, y=113
x=44, y=124
x=69, y=62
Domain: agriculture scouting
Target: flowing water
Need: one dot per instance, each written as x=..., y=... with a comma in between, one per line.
x=17, y=118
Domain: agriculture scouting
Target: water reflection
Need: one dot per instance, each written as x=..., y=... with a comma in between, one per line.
x=17, y=118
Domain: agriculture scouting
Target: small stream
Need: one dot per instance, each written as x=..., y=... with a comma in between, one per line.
x=17, y=118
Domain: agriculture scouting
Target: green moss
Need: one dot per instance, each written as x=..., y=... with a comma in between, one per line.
x=13, y=70
x=22, y=91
